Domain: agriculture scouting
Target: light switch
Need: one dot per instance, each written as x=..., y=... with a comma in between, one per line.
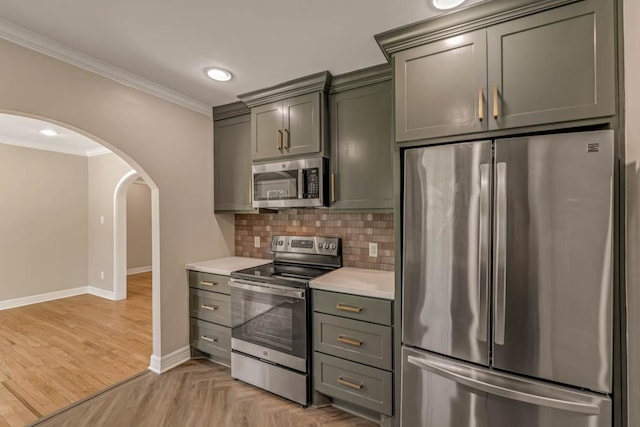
x=256, y=241
x=373, y=249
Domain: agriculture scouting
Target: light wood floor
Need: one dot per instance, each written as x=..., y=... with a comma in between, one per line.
x=197, y=393
x=58, y=352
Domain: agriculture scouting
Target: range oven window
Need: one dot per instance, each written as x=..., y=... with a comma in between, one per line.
x=273, y=321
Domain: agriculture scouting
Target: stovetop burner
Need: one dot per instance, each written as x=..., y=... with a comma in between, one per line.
x=297, y=260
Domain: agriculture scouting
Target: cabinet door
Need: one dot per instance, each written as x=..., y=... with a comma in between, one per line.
x=301, y=118
x=266, y=131
x=361, y=148
x=440, y=88
x=553, y=66
x=232, y=164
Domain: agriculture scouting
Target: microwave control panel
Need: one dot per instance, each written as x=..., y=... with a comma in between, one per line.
x=312, y=183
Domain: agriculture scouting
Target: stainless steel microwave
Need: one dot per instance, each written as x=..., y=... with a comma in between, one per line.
x=291, y=184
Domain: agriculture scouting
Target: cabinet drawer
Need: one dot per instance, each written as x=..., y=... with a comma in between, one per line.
x=212, y=339
x=358, y=384
x=355, y=307
x=209, y=282
x=360, y=342
x=210, y=306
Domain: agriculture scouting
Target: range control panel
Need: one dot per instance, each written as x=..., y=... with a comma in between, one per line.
x=306, y=245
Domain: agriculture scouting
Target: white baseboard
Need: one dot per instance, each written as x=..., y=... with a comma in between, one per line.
x=138, y=270
x=99, y=292
x=160, y=365
x=50, y=296
x=35, y=299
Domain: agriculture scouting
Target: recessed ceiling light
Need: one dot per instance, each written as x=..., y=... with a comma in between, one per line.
x=49, y=132
x=446, y=4
x=218, y=74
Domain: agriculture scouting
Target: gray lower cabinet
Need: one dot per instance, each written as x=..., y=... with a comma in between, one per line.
x=361, y=147
x=548, y=67
x=232, y=163
x=210, y=311
x=287, y=128
x=353, y=359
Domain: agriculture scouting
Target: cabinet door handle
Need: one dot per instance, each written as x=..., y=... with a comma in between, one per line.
x=345, y=307
x=496, y=106
x=279, y=139
x=205, y=283
x=286, y=139
x=480, y=104
x=333, y=188
x=349, y=341
x=349, y=383
x=209, y=307
x=206, y=338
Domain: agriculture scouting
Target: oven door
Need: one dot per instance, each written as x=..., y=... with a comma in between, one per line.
x=270, y=323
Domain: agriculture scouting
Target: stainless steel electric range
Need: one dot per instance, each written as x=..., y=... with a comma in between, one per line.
x=270, y=313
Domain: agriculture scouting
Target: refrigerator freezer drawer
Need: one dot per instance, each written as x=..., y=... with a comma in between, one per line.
x=441, y=392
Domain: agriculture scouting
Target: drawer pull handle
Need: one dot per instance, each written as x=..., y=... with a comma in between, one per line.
x=209, y=307
x=206, y=338
x=349, y=383
x=346, y=340
x=205, y=283
x=344, y=307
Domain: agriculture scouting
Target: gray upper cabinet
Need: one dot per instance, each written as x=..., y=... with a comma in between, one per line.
x=528, y=63
x=553, y=66
x=361, y=138
x=289, y=119
x=440, y=87
x=232, y=162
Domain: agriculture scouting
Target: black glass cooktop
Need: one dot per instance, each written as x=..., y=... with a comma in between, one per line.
x=287, y=275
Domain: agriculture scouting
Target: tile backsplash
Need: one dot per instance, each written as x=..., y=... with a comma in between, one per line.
x=356, y=230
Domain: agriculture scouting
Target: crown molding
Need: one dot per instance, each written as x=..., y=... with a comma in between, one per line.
x=318, y=82
x=97, y=151
x=359, y=78
x=23, y=37
x=228, y=111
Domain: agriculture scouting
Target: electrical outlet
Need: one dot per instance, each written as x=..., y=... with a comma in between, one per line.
x=256, y=241
x=102, y=274
x=101, y=220
x=373, y=249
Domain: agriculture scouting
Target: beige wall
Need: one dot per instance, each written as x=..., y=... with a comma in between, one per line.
x=138, y=226
x=170, y=145
x=43, y=222
x=632, y=147
x=105, y=172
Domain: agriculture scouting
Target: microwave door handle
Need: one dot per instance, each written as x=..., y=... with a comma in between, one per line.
x=300, y=184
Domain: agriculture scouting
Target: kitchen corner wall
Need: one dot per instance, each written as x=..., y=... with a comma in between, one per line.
x=356, y=230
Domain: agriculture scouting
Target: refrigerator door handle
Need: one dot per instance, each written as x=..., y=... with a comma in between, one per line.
x=500, y=272
x=498, y=390
x=483, y=251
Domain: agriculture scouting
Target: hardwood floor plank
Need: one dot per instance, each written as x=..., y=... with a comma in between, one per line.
x=12, y=410
x=55, y=353
x=197, y=393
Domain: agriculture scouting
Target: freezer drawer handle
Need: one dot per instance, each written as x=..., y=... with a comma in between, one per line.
x=534, y=399
x=205, y=283
x=206, y=338
x=345, y=307
x=209, y=307
x=349, y=383
x=343, y=339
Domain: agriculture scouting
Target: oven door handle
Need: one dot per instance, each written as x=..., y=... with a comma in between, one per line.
x=266, y=289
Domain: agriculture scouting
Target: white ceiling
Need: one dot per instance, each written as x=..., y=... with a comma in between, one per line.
x=25, y=132
x=261, y=42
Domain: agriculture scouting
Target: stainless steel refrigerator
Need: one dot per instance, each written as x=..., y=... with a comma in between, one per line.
x=508, y=283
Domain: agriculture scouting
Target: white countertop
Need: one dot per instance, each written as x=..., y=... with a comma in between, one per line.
x=226, y=265
x=357, y=281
